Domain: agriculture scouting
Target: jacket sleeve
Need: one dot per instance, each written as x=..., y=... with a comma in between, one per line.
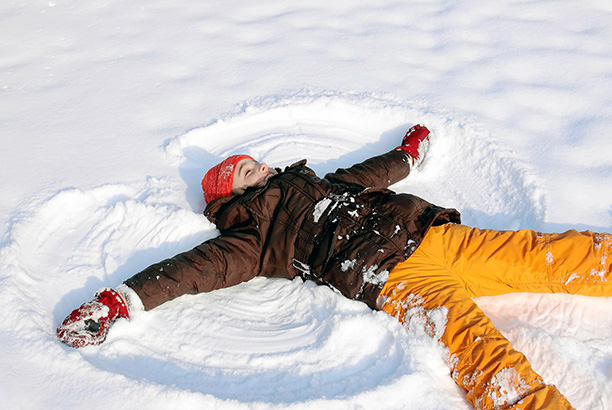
x=376, y=172
x=224, y=261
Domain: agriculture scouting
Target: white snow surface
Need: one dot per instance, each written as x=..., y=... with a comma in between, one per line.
x=111, y=111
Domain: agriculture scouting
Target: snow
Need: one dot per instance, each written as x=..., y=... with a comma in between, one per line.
x=348, y=264
x=507, y=387
x=111, y=112
x=319, y=208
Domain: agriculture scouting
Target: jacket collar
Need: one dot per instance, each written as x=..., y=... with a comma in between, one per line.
x=214, y=208
x=217, y=207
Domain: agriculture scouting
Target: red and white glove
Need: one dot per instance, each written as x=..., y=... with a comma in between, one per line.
x=415, y=143
x=89, y=324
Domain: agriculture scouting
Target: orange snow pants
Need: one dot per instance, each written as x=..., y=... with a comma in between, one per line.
x=455, y=263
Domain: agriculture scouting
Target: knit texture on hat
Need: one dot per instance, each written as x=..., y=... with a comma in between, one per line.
x=217, y=183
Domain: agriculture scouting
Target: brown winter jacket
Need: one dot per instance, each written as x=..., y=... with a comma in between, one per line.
x=346, y=230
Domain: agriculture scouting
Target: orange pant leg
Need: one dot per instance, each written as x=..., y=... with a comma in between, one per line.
x=492, y=262
x=428, y=288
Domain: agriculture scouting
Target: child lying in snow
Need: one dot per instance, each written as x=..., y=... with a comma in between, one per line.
x=395, y=252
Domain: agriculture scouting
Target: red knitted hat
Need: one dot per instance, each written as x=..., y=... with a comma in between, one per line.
x=217, y=182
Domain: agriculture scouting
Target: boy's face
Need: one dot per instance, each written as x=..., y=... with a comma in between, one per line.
x=250, y=173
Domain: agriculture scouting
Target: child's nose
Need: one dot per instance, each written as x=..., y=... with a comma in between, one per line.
x=263, y=168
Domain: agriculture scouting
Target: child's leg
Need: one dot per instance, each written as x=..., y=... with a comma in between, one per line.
x=498, y=262
x=481, y=359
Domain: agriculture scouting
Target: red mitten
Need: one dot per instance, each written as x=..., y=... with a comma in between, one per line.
x=415, y=143
x=89, y=324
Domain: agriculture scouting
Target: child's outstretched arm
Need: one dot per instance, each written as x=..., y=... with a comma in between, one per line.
x=219, y=262
x=386, y=169
x=89, y=323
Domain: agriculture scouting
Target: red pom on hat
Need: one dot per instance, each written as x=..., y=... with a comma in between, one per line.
x=217, y=183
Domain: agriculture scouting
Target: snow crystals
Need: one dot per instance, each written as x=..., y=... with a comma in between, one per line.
x=301, y=267
x=599, y=274
x=410, y=246
x=370, y=276
x=549, y=258
x=411, y=311
x=602, y=244
x=348, y=265
x=397, y=229
x=507, y=387
x=354, y=213
x=319, y=208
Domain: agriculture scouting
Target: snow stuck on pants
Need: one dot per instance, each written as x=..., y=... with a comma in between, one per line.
x=507, y=387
